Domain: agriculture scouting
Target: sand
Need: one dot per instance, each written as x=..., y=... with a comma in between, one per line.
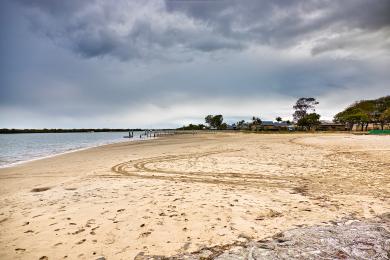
x=181, y=193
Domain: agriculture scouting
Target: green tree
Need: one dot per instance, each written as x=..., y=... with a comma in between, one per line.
x=256, y=121
x=214, y=121
x=240, y=124
x=278, y=119
x=364, y=112
x=385, y=118
x=309, y=121
x=303, y=106
x=209, y=119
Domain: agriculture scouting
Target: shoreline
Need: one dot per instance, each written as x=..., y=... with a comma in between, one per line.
x=10, y=165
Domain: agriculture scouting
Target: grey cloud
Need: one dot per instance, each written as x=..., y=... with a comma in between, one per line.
x=155, y=29
x=287, y=23
x=377, y=41
x=126, y=30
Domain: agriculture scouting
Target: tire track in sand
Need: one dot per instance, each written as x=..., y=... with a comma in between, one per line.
x=142, y=168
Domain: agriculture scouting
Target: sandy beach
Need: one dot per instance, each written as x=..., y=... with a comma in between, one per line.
x=181, y=193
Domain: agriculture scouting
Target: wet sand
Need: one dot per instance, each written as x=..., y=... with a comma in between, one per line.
x=182, y=193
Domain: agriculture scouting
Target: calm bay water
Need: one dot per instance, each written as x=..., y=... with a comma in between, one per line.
x=16, y=148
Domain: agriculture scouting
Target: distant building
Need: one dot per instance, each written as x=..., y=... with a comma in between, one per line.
x=270, y=125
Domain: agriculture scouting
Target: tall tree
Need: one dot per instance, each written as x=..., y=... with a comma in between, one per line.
x=209, y=120
x=303, y=106
x=214, y=121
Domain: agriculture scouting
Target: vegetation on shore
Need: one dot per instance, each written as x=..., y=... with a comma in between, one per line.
x=360, y=114
x=304, y=115
x=365, y=112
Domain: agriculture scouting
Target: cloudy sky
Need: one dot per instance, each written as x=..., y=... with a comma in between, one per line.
x=167, y=63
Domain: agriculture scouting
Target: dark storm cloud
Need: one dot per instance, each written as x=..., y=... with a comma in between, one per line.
x=154, y=29
x=286, y=23
x=125, y=30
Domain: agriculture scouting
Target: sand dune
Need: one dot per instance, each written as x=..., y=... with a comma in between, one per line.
x=181, y=193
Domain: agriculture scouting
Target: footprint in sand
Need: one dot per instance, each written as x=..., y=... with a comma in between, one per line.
x=90, y=222
x=269, y=213
x=145, y=234
x=78, y=231
x=110, y=239
x=93, y=230
x=81, y=241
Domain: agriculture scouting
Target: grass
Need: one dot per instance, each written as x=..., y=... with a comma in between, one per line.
x=379, y=132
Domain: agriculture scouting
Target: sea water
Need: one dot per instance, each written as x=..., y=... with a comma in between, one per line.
x=18, y=148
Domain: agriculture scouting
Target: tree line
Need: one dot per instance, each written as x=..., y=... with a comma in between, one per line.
x=304, y=116
x=359, y=114
x=365, y=112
